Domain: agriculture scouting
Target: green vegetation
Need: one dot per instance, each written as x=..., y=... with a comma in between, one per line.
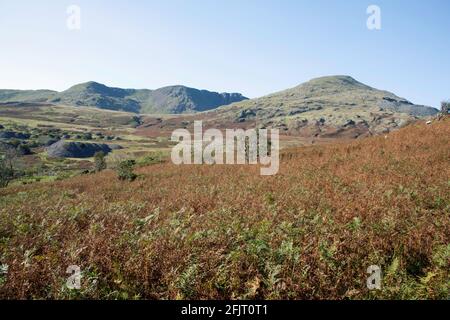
x=152, y=158
x=125, y=170
x=26, y=95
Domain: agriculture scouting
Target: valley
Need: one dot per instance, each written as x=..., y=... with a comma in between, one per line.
x=324, y=110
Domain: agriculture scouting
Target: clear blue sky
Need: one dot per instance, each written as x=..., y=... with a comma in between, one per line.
x=251, y=46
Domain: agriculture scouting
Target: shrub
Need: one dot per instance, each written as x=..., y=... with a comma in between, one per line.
x=125, y=170
x=99, y=160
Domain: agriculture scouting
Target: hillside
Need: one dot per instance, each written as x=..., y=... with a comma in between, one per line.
x=225, y=232
x=331, y=106
x=167, y=100
x=93, y=94
x=26, y=95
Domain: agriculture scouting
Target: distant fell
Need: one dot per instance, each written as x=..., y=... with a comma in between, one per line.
x=181, y=99
x=93, y=94
x=167, y=100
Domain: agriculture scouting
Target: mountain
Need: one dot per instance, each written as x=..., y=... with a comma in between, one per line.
x=325, y=107
x=93, y=94
x=167, y=100
x=181, y=99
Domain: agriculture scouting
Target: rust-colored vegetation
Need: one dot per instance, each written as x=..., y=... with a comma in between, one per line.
x=225, y=232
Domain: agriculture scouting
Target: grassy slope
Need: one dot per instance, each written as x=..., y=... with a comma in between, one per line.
x=26, y=95
x=225, y=232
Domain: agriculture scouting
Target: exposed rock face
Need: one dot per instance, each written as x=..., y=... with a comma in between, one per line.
x=63, y=149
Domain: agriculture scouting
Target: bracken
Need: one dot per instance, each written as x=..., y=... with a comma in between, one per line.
x=225, y=232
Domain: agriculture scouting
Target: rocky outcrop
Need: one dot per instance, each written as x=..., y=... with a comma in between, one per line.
x=63, y=149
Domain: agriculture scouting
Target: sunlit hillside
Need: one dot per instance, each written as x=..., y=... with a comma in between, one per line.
x=226, y=232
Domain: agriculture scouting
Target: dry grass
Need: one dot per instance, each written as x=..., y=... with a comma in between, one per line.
x=219, y=232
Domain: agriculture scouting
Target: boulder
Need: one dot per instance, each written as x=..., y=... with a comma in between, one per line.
x=63, y=149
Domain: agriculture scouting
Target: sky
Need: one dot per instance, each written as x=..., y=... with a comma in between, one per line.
x=255, y=47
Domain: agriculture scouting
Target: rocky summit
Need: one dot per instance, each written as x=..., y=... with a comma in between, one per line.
x=333, y=106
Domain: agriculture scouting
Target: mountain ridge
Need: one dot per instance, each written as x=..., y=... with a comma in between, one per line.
x=166, y=100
